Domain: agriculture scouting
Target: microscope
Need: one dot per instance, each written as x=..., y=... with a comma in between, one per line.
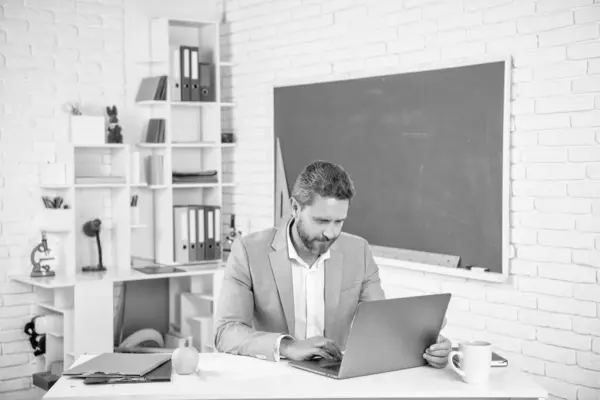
x=41, y=255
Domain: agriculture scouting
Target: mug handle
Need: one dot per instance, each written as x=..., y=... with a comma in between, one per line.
x=454, y=367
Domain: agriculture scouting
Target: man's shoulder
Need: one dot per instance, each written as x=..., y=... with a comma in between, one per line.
x=258, y=238
x=348, y=241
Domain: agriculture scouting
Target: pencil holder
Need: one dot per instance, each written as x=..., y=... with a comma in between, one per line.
x=56, y=220
x=135, y=215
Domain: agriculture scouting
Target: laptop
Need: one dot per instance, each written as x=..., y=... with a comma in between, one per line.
x=386, y=335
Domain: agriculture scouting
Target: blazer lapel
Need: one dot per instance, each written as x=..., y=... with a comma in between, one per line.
x=282, y=271
x=333, y=285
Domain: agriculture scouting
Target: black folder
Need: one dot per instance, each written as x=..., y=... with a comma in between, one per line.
x=160, y=374
x=184, y=73
x=118, y=365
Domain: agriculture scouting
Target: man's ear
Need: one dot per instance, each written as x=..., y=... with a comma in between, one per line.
x=295, y=206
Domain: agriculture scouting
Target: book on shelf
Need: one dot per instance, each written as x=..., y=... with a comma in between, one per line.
x=152, y=88
x=209, y=176
x=155, y=133
x=154, y=165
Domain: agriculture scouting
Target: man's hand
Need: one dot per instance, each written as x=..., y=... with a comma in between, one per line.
x=309, y=348
x=437, y=354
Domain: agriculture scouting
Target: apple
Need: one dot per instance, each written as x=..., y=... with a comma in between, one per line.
x=185, y=358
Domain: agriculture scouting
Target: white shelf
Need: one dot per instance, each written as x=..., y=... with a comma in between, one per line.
x=192, y=23
x=113, y=275
x=100, y=185
x=193, y=145
x=226, y=64
x=56, y=186
x=117, y=146
x=152, y=145
x=194, y=185
x=51, y=307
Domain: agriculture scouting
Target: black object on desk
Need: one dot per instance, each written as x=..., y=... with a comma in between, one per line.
x=118, y=365
x=160, y=374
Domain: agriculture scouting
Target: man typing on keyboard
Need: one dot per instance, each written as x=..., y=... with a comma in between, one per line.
x=291, y=291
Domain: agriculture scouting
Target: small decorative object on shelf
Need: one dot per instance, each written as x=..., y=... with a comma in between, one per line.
x=41, y=255
x=232, y=235
x=85, y=129
x=92, y=229
x=227, y=137
x=37, y=341
x=72, y=108
x=114, y=129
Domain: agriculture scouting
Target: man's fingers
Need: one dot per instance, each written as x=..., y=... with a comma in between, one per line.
x=437, y=362
x=441, y=344
x=333, y=349
x=327, y=345
x=438, y=353
x=324, y=354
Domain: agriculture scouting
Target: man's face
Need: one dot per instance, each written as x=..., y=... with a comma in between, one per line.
x=320, y=224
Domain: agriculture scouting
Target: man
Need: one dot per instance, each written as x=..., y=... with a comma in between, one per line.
x=292, y=291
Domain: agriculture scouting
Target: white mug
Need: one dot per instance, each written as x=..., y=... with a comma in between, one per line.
x=475, y=361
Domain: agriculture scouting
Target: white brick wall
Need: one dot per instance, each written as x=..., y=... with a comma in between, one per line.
x=50, y=52
x=546, y=319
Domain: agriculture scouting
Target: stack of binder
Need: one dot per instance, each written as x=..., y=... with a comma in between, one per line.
x=196, y=233
x=192, y=80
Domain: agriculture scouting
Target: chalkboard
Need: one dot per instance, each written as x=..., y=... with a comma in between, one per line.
x=425, y=150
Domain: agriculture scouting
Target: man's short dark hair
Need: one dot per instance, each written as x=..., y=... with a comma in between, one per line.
x=325, y=179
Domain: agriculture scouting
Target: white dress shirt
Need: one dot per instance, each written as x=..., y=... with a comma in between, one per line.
x=309, y=295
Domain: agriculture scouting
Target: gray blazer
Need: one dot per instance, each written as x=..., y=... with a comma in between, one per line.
x=256, y=301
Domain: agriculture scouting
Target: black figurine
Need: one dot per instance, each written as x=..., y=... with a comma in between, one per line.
x=114, y=129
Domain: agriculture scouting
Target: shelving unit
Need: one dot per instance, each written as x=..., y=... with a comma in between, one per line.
x=85, y=300
x=192, y=143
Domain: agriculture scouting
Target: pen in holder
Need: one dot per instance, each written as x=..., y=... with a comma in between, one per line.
x=135, y=211
x=55, y=202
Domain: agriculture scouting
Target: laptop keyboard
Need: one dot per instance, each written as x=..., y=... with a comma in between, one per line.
x=330, y=364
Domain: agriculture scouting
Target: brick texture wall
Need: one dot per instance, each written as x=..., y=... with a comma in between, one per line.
x=51, y=52
x=546, y=319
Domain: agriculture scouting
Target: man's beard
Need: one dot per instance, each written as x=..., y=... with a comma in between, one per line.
x=314, y=245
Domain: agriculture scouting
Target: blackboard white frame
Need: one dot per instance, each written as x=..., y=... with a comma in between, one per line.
x=281, y=203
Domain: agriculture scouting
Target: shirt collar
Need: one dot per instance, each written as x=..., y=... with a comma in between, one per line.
x=293, y=254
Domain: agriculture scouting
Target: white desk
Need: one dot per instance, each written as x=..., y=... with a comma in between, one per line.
x=224, y=376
